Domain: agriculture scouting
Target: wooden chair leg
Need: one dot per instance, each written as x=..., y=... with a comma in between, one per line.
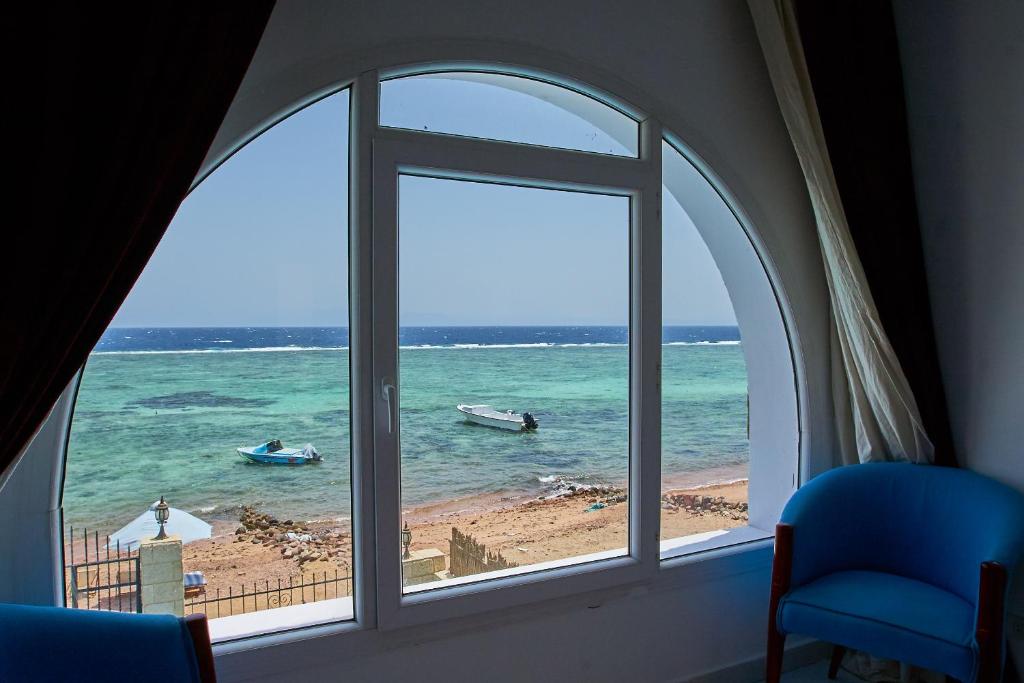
x=773, y=662
x=781, y=569
x=989, y=630
x=837, y=658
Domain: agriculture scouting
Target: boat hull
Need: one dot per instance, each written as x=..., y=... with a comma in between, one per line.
x=487, y=417
x=494, y=422
x=289, y=456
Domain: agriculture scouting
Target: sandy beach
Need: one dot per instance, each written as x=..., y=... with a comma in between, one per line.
x=262, y=549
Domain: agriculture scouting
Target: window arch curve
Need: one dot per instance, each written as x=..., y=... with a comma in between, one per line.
x=766, y=354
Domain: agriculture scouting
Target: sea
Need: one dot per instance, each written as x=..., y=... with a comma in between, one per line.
x=160, y=412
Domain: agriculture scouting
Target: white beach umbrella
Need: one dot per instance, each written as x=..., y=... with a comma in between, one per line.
x=179, y=523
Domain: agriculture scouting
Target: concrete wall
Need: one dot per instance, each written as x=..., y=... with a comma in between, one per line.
x=963, y=68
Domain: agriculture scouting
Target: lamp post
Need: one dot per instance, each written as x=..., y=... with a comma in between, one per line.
x=406, y=540
x=162, y=513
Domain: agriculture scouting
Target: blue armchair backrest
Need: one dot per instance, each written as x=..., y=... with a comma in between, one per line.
x=42, y=644
x=933, y=524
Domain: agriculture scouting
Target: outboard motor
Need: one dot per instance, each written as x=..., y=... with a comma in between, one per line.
x=529, y=422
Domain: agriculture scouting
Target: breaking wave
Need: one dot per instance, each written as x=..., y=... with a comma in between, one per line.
x=415, y=347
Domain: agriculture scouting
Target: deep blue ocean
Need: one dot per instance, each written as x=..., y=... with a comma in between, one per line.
x=161, y=411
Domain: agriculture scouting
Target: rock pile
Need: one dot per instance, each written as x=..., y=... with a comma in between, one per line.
x=692, y=503
x=296, y=540
x=704, y=505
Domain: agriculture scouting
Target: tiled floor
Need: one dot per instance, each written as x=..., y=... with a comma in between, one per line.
x=816, y=673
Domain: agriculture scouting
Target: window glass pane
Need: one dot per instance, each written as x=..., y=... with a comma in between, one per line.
x=511, y=108
x=235, y=335
x=704, y=440
x=511, y=299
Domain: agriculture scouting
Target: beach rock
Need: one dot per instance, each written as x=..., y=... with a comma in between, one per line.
x=240, y=530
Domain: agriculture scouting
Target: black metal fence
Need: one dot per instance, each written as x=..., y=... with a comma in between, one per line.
x=101, y=577
x=282, y=593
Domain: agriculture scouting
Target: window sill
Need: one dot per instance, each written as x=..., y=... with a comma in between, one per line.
x=710, y=554
x=517, y=571
x=281, y=620
x=685, y=546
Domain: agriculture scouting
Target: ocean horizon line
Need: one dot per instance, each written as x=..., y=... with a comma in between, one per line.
x=427, y=326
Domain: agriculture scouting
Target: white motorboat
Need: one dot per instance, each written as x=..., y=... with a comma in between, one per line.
x=489, y=417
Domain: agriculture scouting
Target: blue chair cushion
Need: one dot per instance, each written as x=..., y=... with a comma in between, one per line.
x=42, y=644
x=887, y=615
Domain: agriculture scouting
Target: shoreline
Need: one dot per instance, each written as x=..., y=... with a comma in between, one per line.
x=536, y=530
x=549, y=487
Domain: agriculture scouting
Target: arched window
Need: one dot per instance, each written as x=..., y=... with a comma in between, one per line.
x=539, y=376
x=236, y=334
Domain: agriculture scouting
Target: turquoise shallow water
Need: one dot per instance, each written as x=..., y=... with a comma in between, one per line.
x=167, y=423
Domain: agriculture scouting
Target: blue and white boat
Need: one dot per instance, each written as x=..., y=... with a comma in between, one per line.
x=272, y=453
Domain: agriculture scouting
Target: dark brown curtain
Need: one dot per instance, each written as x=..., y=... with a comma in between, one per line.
x=853, y=59
x=134, y=94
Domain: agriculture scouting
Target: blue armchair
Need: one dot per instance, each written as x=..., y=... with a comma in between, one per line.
x=40, y=644
x=906, y=562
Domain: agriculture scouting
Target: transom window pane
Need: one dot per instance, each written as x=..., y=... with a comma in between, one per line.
x=514, y=370
x=510, y=108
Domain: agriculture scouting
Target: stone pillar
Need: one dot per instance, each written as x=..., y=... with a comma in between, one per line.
x=163, y=589
x=422, y=566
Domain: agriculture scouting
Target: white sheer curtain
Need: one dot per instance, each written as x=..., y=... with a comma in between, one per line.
x=876, y=415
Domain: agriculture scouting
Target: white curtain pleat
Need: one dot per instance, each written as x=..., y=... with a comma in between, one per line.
x=876, y=414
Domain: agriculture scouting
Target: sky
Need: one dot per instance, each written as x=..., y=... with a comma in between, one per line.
x=263, y=240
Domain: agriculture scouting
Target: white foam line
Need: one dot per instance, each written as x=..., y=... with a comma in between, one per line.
x=704, y=343
x=420, y=347
x=263, y=349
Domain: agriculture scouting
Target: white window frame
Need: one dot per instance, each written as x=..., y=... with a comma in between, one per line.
x=378, y=599
x=398, y=152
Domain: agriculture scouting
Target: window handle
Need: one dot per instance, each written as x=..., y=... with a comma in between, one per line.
x=387, y=394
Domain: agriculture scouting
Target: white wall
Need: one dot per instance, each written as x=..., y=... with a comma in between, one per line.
x=30, y=514
x=963, y=68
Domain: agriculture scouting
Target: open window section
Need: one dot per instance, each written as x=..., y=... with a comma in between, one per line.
x=514, y=372
x=509, y=108
x=221, y=388
x=705, y=448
